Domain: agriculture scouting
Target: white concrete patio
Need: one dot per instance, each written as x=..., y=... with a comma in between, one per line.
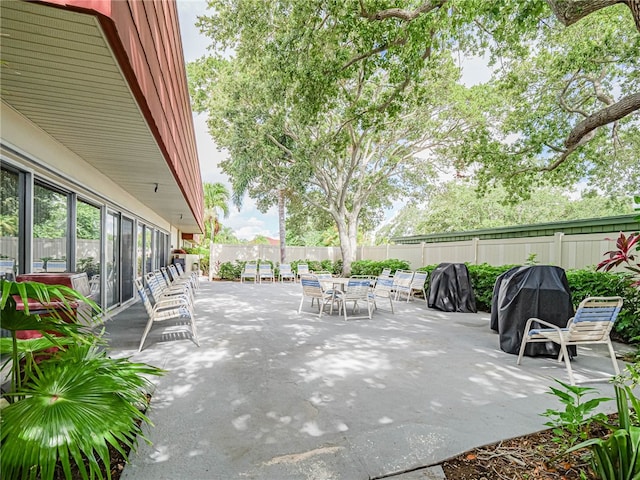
x=273, y=394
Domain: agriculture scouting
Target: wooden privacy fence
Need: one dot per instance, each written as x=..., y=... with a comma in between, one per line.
x=566, y=251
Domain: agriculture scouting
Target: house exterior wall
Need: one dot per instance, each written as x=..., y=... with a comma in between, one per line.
x=145, y=37
x=66, y=168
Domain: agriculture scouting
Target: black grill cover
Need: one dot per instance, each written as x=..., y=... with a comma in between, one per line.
x=450, y=289
x=540, y=291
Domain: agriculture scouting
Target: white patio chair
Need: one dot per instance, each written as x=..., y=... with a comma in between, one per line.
x=418, y=285
x=386, y=272
x=302, y=269
x=37, y=266
x=56, y=266
x=311, y=288
x=7, y=268
x=249, y=271
x=193, y=277
x=164, y=310
x=382, y=290
x=285, y=272
x=357, y=290
x=402, y=283
x=160, y=291
x=591, y=324
x=265, y=272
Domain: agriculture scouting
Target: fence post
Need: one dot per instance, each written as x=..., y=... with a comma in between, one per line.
x=557, y=249
x=475, y=242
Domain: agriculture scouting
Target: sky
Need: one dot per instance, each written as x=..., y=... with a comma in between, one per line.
x=248, y=222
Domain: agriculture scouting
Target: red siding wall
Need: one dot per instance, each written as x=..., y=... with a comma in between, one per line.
x=145, y=36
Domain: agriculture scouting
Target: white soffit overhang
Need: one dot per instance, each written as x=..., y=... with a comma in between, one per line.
x=59, y=72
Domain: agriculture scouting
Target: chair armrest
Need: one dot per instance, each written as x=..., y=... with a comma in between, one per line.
x=527, y=326
x=171, y=303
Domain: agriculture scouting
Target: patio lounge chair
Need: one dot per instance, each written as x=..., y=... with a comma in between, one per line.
x=418, y=285
x=591, y=324
x=311, y=288
x=250, y=271
x=285, y=272
x=164, y=310
x=265, y=272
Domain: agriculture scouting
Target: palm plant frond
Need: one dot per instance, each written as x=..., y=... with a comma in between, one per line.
x=72, y=408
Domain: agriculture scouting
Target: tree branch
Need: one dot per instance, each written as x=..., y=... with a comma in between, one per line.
x=612, y=113
x=571, y=11
x=399, y=13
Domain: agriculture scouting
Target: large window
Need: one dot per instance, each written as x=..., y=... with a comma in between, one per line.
x=9, y=222
x=50, y=221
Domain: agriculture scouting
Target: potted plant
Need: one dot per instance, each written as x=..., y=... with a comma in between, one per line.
x=68, y=406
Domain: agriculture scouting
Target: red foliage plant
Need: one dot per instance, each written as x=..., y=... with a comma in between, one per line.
x=624, y=255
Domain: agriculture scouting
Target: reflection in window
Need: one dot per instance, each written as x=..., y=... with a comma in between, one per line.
x=50, y=228
x=88, y=245
x=113, y=258
x=148, y=250
x=127, y=257
x=9, y=222
x=140, y=251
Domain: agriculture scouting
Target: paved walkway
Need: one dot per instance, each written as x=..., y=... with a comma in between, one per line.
x=271, y=394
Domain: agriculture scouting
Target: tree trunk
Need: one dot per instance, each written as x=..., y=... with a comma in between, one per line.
x=211, y=241
x=347, y=227
x=281, y=227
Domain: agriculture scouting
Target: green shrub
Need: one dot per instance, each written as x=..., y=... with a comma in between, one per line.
x=374, y=268
x=231, y=271
x=483, y=279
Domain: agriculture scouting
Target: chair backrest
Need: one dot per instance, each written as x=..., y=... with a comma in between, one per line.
x=358, y=287
x=143, y=296
x=250, y=267
x=56, y=266
x=7, y=267
x=265, y=268
x=303, y=268
x=402, y=279
x=37, y=266
x=323, y=275
x=166, y=276
x=285, y=269
x=311, y=286
x=386, y=272
x=173, y=272
x=594, y=318
x=94, y=284
x=383, y=286
x=418, y=280
x=179, y=268
x=153, y=282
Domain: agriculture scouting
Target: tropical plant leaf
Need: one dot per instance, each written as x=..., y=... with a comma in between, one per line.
x=71, y=409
